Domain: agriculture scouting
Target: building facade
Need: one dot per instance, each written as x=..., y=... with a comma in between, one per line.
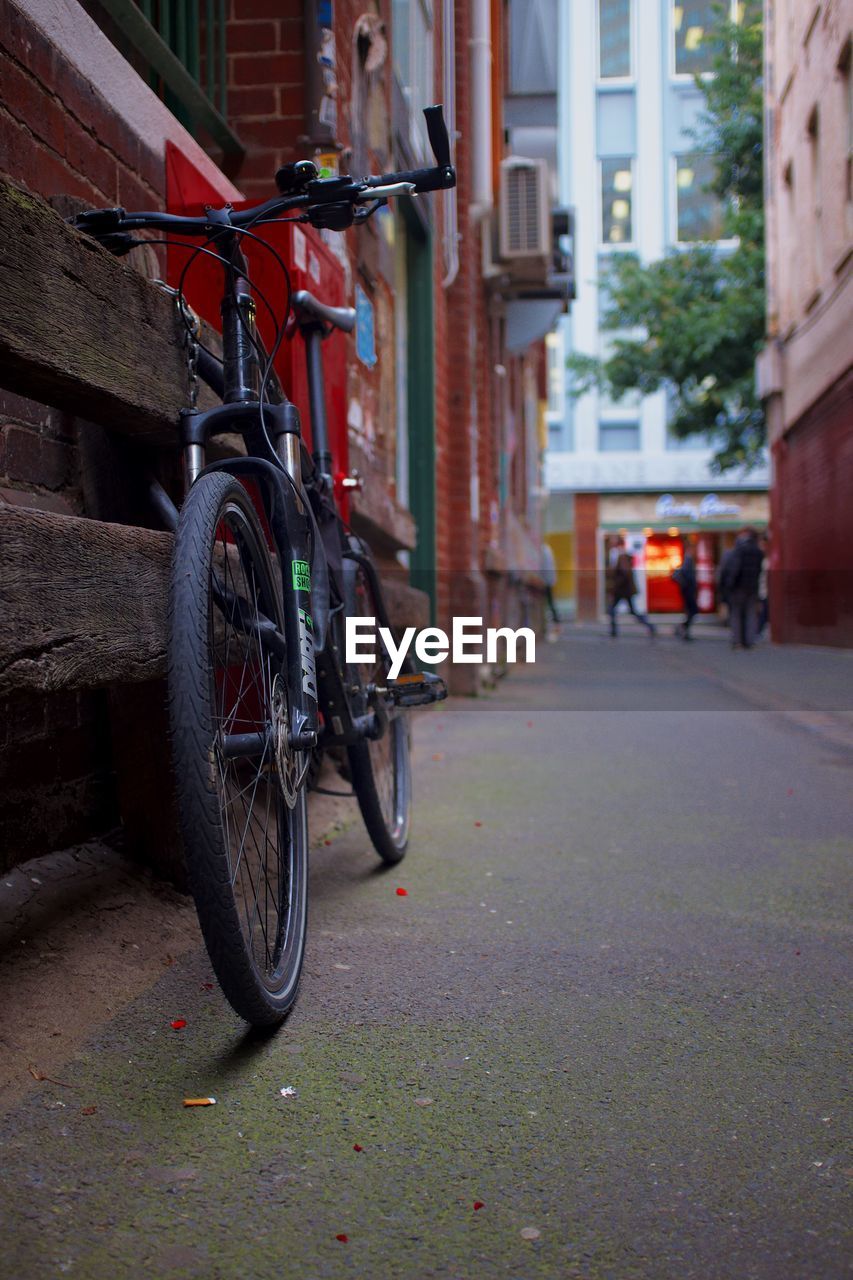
x=437, y=401
x=806, y=370
x=630, y=167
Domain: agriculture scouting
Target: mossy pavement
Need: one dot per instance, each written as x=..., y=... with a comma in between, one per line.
x=609, y=1010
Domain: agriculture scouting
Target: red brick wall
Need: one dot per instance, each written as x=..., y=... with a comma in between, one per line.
x=58, y=136
x=456, y=335
x=55, y=782
x=266, y=79
x=811, y=580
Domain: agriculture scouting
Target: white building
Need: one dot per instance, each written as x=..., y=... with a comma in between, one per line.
x=630, y=168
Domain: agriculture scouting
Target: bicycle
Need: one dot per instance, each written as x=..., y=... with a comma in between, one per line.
x=265, y=571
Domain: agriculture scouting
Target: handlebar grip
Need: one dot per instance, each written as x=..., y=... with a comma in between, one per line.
x=422, y=180
x=438, y=137
x=99, y=221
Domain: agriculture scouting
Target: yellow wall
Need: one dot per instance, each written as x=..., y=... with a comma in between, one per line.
x=563, y=547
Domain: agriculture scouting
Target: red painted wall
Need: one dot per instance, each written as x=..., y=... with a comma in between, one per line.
x=811, y=577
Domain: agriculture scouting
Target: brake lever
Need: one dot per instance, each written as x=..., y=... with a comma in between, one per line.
x=361, y=215
x=391, y=189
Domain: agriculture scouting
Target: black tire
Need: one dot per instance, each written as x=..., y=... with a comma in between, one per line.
x=381, y=769
x=246, y=842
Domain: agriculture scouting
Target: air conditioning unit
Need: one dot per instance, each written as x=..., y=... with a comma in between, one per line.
x=525, y=209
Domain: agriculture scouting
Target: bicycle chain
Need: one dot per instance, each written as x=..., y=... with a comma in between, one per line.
x=191, y=326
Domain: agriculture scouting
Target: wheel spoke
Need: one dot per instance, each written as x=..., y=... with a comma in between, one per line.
x=228, y=713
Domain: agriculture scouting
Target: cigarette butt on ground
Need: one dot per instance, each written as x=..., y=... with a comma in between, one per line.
x=199, y=1102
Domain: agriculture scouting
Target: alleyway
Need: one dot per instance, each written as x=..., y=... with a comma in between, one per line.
x=609, y=1011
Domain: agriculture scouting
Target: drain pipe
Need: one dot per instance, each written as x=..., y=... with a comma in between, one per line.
x=480, y=45
x=451, y=198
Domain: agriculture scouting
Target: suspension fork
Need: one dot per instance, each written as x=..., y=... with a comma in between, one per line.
x=288, y=513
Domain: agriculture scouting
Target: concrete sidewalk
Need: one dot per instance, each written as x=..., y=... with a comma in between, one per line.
x=603, y=1036
x=811, y=685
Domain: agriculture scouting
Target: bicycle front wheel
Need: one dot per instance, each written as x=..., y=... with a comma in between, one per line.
x=381, y=769
x=241, y=793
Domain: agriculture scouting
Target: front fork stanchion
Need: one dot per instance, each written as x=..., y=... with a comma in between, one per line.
x=194, y=460
x=287, y=447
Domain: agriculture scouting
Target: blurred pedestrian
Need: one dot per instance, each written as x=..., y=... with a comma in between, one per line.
x=764, y=585
x=722, y=583
x=548, y=573
x=625, y=588
x=688, y=585
x=741, y=578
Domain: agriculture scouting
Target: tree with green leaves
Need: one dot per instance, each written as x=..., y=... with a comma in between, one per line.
x=697, y=315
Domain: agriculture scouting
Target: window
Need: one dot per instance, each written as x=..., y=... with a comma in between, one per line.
x=815, y=234
x=617, y=187
x=699, y=211
x=788, y=222
x=847, y=90
x=614, y=39
x=556, y=379
x=691, y=22
x=166, y=39
x=618, y=437
x=532, y=47
x=413, y=61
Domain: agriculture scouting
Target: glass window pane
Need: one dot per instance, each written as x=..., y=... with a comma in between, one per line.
x=691, y=22
x=700, y=213
x=532, y=46
x=614, y=38
x=401, y=41
x=618, y=437
x=617, y=189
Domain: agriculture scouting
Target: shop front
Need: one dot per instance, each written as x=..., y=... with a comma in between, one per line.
x=656, y=529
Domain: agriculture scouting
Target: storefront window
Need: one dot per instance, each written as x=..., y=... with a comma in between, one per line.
x=614, y=39
x=617, y=189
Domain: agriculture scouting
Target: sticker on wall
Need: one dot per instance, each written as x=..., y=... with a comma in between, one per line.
x=365, y=333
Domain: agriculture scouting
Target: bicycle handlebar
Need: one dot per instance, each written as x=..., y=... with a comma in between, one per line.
x=313, y=195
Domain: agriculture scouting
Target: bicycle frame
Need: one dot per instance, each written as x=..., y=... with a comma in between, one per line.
x=286, y=508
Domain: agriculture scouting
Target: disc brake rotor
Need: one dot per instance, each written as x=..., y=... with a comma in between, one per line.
x=289, y=763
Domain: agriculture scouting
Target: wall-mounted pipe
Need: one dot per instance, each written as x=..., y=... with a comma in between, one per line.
x=451, y=203
x=480, y=45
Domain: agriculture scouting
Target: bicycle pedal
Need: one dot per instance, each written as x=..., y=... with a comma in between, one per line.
x=417, y=690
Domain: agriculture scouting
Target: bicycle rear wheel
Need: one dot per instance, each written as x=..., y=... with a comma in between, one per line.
x=241, y=793
x=381, y=769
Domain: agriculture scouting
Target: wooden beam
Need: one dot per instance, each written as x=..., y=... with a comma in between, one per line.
x=81, y=603
x=81, y=330
x=84, y=603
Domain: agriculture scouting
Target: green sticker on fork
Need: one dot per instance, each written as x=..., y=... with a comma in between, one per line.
x=301, y=575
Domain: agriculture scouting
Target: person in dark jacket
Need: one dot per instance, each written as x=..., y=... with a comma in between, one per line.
x=623, y=587
x=722, y=581
x=742, y=575
x=685, y=577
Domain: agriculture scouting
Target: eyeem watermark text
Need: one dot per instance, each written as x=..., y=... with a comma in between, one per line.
x=469, y=643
